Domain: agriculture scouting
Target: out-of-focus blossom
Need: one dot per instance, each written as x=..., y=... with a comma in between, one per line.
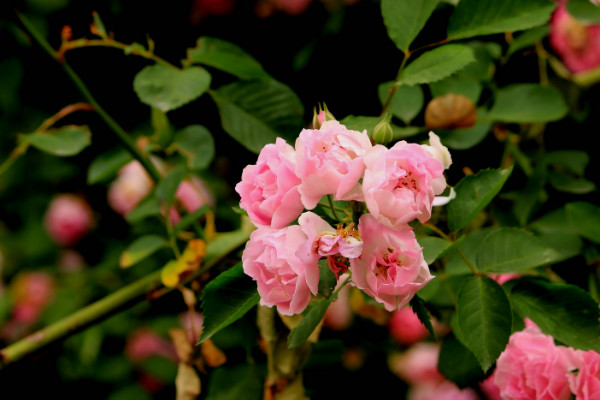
x=266, y=8
x=68, y=219
x=577, y=45
x=405, y=327
x=132, y=184
x=207, y=8
x=192, y=323
x=339, y=316
x=144, y=343
x=71, y=261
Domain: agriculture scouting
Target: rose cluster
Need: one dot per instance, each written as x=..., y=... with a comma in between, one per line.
x=385, y=189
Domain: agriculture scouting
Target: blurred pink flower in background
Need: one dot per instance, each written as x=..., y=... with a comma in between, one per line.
x=577, y=45
x=143, y=343
x=339, y=315
x=201, y=9
x=132, y=184
x=68, y=219
x=405, y=327
x=192, y=323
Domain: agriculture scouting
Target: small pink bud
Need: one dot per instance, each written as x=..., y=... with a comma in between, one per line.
x=405, y=327
x=68, y=219
x=130, y=187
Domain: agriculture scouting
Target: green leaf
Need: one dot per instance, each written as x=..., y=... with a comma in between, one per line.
x=189, y=219
x=468, y=87
x=564, y=244
x=485, y=17
x=465, y=138
x=163, y=130
x=168, y=88
x=485, y=318
x=436, y=64
x=507, y=250
x=418, y=306
x=196, y=144
x=63, y=142
x=434, y=247
x=238, y=382
x=584, y=218
x=227, y=57
x=141, y=248
x=458, y=364
x=528, y=102
x=405, y=19
x=255, y=113
x=406, y=102
x=226, y=299
x=148, y=207
x=327, y=281
x=166, y=188
x=528, y=39
x=311, y=317
x=107, y=164
x=473, y=194
x=364, y=123
x=225, y=243
x=584, y=11
x=566, y=312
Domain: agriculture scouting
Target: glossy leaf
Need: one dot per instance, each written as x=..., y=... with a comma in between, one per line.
x=227, y=57
x=528, y=102
x=168, y=88
x=507, y=250
x=485, y=318
x=255, y=113
x=566, y=312
x=141, y=248
x=107, y=164
x=196, y=144
x=226, y=299
x=473, y=194
x=436, y=64
x=485, y=17
x=63, y=142
x=405, y=19
x=406, y=102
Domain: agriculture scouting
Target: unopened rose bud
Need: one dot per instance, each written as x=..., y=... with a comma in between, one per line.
x=68, y=219
x=130, y=187
x=383, y=133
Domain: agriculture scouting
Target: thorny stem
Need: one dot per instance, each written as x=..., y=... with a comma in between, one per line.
x=116, y=128
x=148, y=287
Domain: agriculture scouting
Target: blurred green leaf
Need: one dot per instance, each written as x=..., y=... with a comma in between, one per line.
x=528, y=38
x=405, y=19
x=566, y=312
x=130, y=392
x=584, y=11
x=163, y=130
x=196, y=144
x=166, y=188
x=168, y=88
x=327, y=280
x=485, y=17
x=485, y=318
x=434, y=247
x=226, y=299
x=227, y=57
x=584, y=218
x=436, y=64
x=528, y=102
x=465, y=138
x=311, y=318
x=473, y=194
x=459, y=85
x=406, y=102
x=256, y=112
x=190, y=218
x=239, y=382
x=148, y=207
x=141, y=248
x=507, y=250
x=458, y=364
x=107, y=164
x=63, y=142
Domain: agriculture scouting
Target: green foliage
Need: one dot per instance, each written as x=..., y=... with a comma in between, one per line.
x=458, y=364
x=406, y=103
x=405, y=19
x=106, y=165
x=311, y=318
x=196, y=144
x=528, y=102
x=62, y=142
x=584, y=11
x=141, y=248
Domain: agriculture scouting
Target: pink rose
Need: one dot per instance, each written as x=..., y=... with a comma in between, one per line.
x=330, y=162
x=532, y=367
x=584, y=375
x=283, y=279
x=68, y=219
x=489, y=388
x=391, y=268
x=401, y=183
x=405, y=327
x=444, y=390
x=269, y=189
x=418, y=364
x=193, y=194
x=577, y=45
x=132, y=185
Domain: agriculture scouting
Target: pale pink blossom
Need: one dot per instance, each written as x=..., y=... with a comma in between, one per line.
x=330, y=162
x=418, y=364
x=401, y=183
x=405, y=327
x=444, y=390
x=584, y=374
x=193, y=194
x=283, y=279
x=391, y=268
x=192, y=322
x=532, y=367
x=269, y=190
x=339, y=316
x=143, y=343
x=577, y=45
x=131, y=185
x=68, y=219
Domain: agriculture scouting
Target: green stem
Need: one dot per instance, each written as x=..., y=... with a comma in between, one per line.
x=437, y=230
x=387, y=101
x=116, y=128
x=330, y=199
x=148, y=287
x=464, y=257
